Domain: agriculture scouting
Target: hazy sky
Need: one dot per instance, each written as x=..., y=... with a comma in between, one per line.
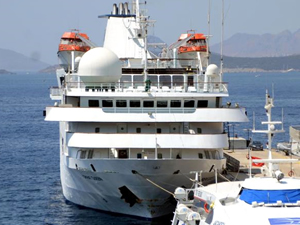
x=34, y=27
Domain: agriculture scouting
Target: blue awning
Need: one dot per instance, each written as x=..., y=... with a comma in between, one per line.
x=270, y=196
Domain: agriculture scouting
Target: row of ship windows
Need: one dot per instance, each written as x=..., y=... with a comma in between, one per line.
x=139, y=130
x=123, y=154
x=149, y=103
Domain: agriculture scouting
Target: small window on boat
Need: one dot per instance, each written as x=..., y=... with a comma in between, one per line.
x=121, y=103
x=93, y=103
x=139, y=155
x=97, y=129
x=199, y=130
x=148, y=104
x=200, y=155
x=189, y=103
x=158, y=130
x=138, y=130
x=159, y=155
x=90, y=154
x=161, y=104
x=107, y=103
x=207, y=154
x=82, y=154
x=202, y=104
x=213, y=154
x=135, y=103
x=123, y=154
x=175, y=103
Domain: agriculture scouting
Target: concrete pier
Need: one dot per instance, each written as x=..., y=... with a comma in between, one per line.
x=241, y=156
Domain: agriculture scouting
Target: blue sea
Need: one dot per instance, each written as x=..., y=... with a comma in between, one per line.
x=30, y=191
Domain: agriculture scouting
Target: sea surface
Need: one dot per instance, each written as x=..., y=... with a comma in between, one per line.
x=30, y=191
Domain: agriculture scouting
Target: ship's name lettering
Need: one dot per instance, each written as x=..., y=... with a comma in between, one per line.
x=92, y=178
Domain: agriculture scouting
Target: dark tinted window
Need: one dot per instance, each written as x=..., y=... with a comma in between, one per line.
x=161, y=104
x=148, y=104
x=135, y=103
x=202, y=104
x=189, y=103
x=175, y=103
x=107, y=103
x=121, y=103
x=93, y=103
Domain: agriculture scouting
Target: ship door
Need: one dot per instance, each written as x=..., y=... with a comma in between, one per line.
x=122, y=128
x=123, y=153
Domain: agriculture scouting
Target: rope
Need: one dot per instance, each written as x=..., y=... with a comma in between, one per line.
x=156, y=185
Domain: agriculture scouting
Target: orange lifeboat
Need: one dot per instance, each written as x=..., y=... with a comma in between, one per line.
x=70, y=41
x=196, y=44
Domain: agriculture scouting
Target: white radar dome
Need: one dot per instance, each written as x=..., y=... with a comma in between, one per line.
x=100, y=65
x=212, y=70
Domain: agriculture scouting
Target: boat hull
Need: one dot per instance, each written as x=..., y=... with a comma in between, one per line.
x=123, y=186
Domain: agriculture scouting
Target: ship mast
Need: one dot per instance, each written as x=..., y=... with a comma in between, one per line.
x=271, y=129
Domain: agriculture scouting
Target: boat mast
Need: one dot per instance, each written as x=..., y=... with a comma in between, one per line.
x=207, y=39
x=222, y=38
x=271, y=129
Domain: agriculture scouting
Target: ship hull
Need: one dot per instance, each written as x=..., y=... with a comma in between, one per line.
x=123, y=186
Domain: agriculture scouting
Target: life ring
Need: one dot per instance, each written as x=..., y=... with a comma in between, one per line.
x=291, y=173
x=206, y=207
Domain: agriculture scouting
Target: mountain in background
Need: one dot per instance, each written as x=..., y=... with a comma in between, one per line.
x=267, y=45
x=13, y=61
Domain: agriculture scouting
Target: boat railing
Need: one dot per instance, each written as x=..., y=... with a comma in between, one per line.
x=162, y=62
x=55, y=91
x=148, y=86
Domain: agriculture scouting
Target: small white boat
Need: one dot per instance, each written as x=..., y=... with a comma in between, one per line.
x=270, y=199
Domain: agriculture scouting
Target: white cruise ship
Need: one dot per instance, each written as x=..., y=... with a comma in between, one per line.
x=133, y=125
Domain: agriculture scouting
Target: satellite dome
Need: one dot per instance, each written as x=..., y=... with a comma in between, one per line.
x=212, y=70
x=100, y=65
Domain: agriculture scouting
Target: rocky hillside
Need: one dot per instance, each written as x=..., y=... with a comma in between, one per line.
x=13, y=61
x=266, y=45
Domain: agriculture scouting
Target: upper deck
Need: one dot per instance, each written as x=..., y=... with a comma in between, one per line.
x=131, y=84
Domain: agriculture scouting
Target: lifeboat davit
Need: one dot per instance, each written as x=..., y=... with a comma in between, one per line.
x=72, y=42
x=193, y=53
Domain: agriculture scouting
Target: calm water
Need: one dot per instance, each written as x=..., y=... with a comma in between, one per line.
x=30, y=191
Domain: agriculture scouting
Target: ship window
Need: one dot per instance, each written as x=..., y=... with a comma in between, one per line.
x=90, y=154
x=139, y=155
x=200, y=155
x=148, y=104
x=213, y=154
x=175, y=103
x=135, y=103
x=93, y=103
x=107, y=103
x=97, y=129
x=159, y=156
x=199, y=130
x=158, y=130
x=207, y=154
x=82, y=154
x=138, y=130
x=189, y=103
x=121, y=103
x=202, y=104
x=123, y=154
x=161, y=104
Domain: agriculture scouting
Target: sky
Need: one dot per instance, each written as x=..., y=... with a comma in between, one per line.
x=34, y=27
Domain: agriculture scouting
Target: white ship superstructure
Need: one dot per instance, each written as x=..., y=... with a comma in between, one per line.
x=128, y=132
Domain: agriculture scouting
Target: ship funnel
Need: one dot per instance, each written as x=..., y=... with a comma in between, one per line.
x=115, y=9
x=121, y=8
x=126, y=8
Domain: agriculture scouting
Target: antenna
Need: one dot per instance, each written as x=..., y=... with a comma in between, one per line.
x=208, y=23
x=222, y=37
